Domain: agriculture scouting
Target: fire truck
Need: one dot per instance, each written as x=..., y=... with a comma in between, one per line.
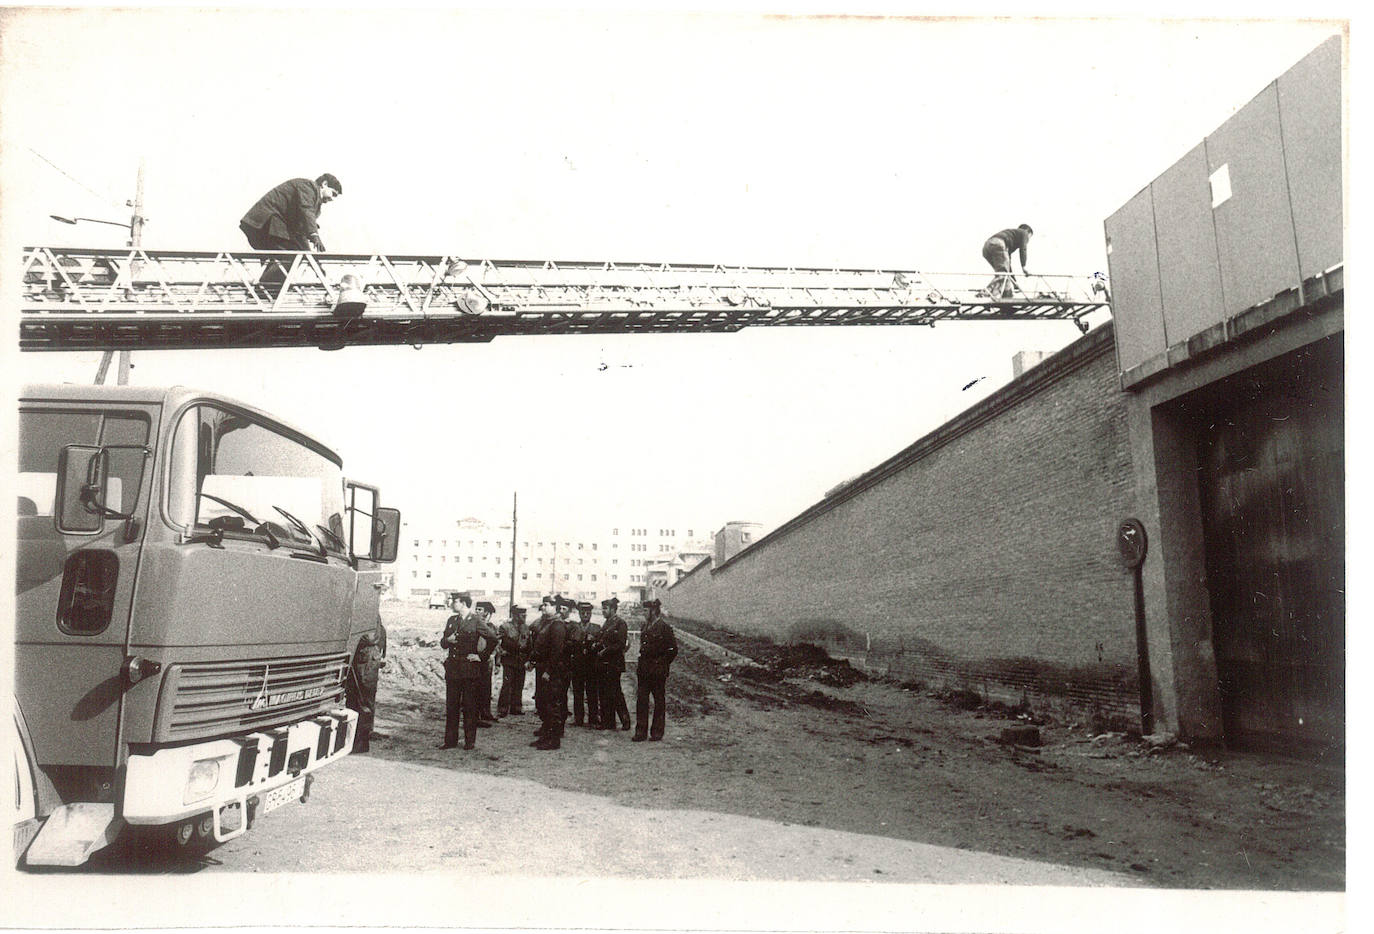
x=193, y=579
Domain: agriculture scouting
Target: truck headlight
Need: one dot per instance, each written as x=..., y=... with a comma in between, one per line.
x=201, y=780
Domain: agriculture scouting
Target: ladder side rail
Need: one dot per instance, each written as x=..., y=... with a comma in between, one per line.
x=111, y=283
x=704, y=271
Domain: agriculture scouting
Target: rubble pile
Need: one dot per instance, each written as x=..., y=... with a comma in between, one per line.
x=799, y=661
x=414, y=662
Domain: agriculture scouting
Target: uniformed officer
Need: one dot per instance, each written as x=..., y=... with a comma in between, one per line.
x=547, y=612
x=657, y=649
x=485, y=718
x=469, y=641
x=551, y=668
x=609, y=663
x=513, y=650
x=572, y=647
x=579, y=666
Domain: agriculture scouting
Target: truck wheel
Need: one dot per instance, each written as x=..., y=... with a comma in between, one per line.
x=360, y=690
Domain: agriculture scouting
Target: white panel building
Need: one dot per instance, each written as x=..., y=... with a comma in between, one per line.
x=594, y=564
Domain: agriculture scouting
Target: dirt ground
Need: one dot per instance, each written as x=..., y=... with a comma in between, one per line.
x=807, y=740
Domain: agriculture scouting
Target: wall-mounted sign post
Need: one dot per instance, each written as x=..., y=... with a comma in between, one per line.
x=1132, y=542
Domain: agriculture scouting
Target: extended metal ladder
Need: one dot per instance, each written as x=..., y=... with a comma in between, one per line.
x=83, y=299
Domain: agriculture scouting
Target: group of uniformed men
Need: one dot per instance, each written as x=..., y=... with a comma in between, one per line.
x=567, y=653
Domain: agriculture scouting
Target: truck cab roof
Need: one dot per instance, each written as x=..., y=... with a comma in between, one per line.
x=169, y=397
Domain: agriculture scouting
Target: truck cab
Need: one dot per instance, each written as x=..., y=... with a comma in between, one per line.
x=192, y=578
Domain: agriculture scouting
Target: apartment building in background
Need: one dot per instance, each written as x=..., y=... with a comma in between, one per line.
x=591, y=564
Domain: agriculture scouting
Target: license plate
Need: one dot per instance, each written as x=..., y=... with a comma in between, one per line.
x=287, y=793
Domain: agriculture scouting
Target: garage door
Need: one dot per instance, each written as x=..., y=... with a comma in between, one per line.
x=1272, y=457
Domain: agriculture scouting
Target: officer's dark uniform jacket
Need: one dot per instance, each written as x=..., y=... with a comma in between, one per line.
x=576, y=646
x=514, y=643
x=610, y=644
x=551, y=646
x=462, y=640
x=532, y=638
x=589, y=646
x=657, y=647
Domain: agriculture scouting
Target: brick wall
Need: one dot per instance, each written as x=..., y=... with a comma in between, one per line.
x=983, y=554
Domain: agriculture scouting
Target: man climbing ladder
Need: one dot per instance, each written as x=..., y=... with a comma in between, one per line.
x=997, y=250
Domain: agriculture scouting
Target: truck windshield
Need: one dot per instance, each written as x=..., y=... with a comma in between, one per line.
x=226, y=464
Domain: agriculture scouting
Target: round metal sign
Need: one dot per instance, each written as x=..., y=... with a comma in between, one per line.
x=1130, y=539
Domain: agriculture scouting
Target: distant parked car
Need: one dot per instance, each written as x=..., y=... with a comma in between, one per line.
x=438, y=600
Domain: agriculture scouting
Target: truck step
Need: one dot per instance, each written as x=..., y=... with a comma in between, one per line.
x=72, y=833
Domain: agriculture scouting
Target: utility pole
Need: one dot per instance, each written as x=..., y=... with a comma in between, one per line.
x=514, y=530
x=135, y=241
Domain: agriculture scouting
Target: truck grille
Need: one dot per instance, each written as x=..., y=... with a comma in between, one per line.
x=208, y=699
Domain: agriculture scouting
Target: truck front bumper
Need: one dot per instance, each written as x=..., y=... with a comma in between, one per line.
x=179, y=782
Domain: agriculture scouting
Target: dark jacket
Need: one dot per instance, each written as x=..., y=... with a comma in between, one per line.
x=610, y=644
x=576, y=646
x=289, y=212
x=515, y=643
x=464, y=637
x=551, y=647
x=531, y=638
x=593, y=631
x=657, y=647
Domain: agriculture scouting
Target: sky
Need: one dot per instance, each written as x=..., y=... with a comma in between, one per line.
x=667, y=137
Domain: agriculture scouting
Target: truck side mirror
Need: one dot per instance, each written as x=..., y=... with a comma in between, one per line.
x=386, y=534
x=83, y=472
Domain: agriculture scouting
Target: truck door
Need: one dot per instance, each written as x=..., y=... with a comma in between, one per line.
x=361, y=502
x=74, y=586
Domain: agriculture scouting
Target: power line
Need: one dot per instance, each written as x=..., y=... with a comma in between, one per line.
x=104, y=197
